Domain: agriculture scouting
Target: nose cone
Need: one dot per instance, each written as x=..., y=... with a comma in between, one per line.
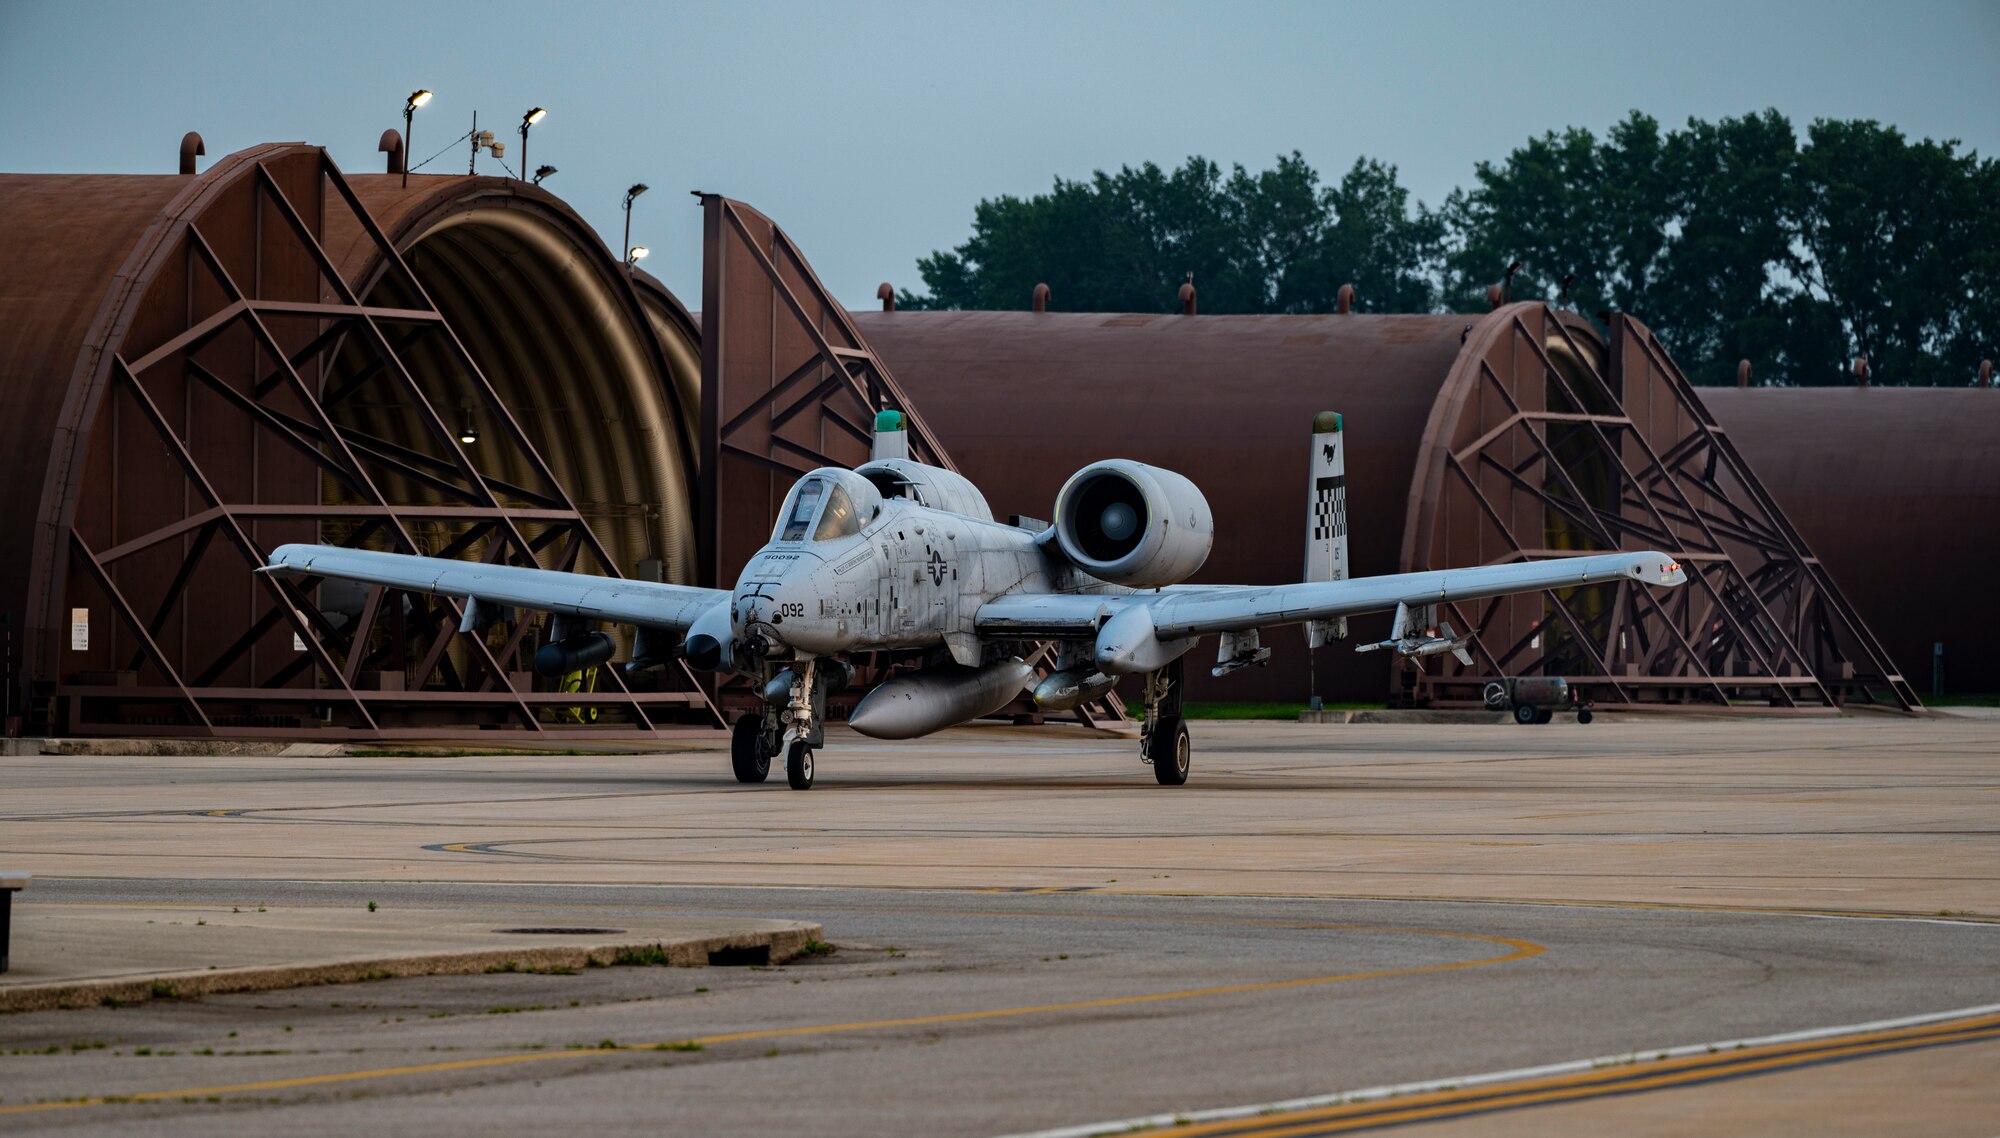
x=777, y=603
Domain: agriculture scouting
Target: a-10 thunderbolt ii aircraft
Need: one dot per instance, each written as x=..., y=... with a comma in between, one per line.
x=900, y=556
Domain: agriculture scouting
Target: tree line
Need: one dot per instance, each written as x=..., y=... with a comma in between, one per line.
x=1734, y=239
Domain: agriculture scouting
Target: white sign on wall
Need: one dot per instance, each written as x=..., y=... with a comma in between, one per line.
x=79, y=630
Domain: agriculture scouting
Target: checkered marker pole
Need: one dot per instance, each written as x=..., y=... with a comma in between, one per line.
x=1326, y=518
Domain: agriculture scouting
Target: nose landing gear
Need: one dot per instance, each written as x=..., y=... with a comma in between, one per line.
x=803, y=730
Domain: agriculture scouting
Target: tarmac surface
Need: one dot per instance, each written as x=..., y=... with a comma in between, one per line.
x=1030, y=935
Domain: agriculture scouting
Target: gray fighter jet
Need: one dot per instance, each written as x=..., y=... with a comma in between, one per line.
x=903, y=557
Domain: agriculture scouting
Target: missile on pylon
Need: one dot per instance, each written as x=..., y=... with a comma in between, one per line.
x=1071, y=688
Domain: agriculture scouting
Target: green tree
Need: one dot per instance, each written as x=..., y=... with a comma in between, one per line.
x=1270, y=241
x=1732, y=239
x=1893, y=237
x=1569, y=208
x=1722, y=293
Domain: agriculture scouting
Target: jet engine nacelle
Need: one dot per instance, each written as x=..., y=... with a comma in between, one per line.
x=1133, y=524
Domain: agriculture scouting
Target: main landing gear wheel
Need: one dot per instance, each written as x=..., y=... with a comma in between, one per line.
x=747, y=755
x=1171, y=750
x=799, y=766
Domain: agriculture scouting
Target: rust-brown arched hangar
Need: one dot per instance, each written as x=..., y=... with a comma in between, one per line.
x=203, y=366
x=200, y=367
x=1523, y=432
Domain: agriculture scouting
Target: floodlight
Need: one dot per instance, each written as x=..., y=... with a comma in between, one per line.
x=543, y=172
x=633, y=252
x=531, y=118
x=417, y=98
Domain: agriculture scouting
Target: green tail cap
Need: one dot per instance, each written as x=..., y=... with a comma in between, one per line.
x=888, y=421
x=1326, y=422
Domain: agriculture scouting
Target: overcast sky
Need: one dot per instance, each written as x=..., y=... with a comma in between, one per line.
x=870, y=130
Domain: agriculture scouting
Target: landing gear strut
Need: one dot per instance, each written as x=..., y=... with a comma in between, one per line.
x=1163, y=739
x=802, y=725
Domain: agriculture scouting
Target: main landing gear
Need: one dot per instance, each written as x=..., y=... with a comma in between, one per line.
x=1163, y=739
x=751, y=747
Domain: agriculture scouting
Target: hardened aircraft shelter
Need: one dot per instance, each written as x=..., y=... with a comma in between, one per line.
x=204, y=365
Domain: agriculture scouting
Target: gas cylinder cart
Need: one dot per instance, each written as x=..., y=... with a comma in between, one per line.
x=1536, y=699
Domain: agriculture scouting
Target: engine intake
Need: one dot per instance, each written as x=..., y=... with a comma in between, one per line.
x=1133, y=524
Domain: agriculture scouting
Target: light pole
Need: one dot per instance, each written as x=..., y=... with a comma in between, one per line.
x=528, y=120
x=630, y=260
x=417, y=98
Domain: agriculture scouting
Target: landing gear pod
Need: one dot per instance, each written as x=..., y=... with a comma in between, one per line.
x=561, y=657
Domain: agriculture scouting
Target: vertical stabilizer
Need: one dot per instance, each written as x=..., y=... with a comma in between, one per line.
x=1326, y=518
x=892, y=437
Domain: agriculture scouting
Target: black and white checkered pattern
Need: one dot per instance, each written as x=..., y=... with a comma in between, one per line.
x=1329, y=508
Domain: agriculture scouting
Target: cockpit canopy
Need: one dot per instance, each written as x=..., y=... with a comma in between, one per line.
x=826, y=505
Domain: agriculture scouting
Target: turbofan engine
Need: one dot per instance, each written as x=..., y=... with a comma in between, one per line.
x=1133, y=524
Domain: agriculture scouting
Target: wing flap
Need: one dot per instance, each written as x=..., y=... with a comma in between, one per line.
x=648, y=603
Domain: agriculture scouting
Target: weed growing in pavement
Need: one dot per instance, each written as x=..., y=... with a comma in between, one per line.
x=371, y=906
x=639, y=956
x=683, y=1045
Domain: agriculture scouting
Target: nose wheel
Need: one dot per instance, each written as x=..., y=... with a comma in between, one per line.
x=799, y=766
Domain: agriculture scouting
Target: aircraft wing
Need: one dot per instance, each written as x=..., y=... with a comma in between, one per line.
x=648, y=603
x=1194, y=610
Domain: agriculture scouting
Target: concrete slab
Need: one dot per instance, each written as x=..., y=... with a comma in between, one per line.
x=1879, y=814
x=84, y=956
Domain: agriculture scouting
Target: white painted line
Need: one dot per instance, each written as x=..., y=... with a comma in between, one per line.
x=1372, y=1094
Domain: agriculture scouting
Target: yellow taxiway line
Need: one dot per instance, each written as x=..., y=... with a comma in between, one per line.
x=1633, y=1077
x=1519, y=950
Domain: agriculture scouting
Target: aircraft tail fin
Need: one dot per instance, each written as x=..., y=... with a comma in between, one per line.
x=1326, y=518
